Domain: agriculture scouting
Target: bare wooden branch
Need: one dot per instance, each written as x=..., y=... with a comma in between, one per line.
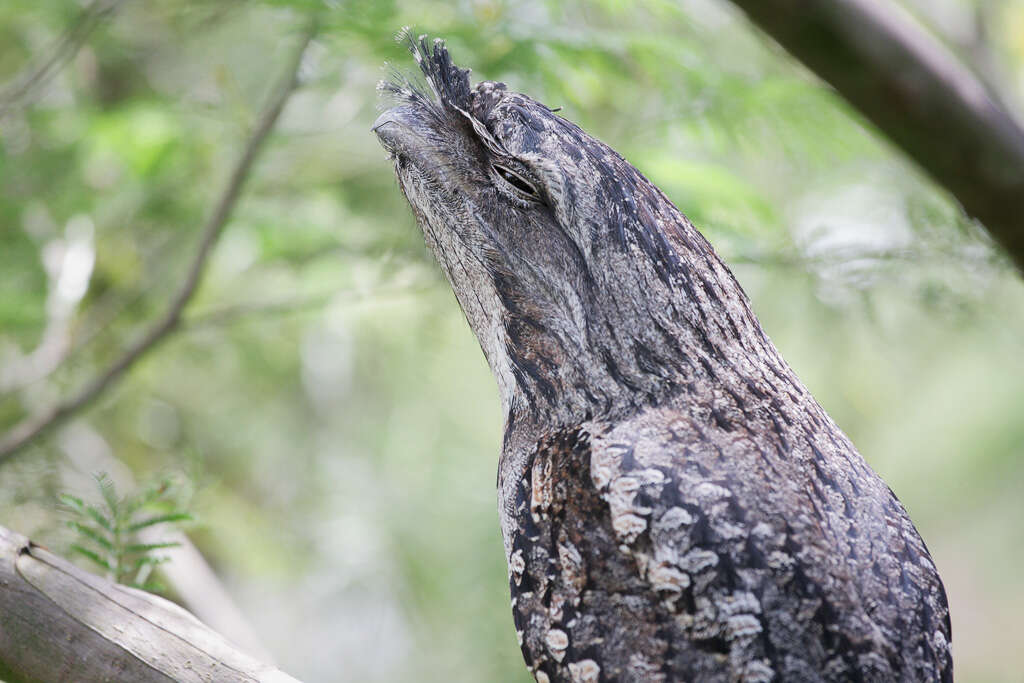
x=917, y=93
x=61, y=623
x=24, y=432
x=199, y=589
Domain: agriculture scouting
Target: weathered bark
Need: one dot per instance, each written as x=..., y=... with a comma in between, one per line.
x=60, y=623
x=917, y=93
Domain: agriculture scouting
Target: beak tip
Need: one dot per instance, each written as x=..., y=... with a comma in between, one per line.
x=394, y=129
x=386, y=117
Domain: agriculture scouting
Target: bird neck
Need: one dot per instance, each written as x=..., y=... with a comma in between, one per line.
x=640, y=344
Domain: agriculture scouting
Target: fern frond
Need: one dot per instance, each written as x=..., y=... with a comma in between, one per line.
x=94, y=534
x=148, y=547
x=109, y=492
x=100, y=518
x=160, y=519
x=149, y=561
x=72, y=502
x=108, y=531
x=85, y=552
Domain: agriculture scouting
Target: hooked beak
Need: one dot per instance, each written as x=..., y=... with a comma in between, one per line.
x=395, y=130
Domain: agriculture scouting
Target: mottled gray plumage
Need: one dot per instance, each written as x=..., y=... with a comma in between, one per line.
x=675, y=505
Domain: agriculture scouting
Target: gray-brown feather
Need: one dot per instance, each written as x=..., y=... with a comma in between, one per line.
x=667, y=547
x=675, y=505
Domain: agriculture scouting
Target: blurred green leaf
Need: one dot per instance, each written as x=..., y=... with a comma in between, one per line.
x=348, y=444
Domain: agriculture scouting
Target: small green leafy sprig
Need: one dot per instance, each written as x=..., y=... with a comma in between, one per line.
x=109, y=532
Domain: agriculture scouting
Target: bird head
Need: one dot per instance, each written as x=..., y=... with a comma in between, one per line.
x=588, y=290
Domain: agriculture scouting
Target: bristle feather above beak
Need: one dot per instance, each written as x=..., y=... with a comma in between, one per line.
x=449, y=83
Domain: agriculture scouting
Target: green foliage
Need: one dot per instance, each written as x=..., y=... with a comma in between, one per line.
x=109, y=532
x=345, y=419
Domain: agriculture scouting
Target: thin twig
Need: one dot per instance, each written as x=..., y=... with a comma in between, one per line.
x=32, y=427
x=22, y=88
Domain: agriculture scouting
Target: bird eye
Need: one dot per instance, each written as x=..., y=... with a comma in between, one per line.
x=516, y=180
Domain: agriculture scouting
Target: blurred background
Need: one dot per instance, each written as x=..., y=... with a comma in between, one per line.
x=323, y=410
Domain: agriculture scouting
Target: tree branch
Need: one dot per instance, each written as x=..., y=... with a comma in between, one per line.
x=62, y=623
x=30, y=428
x=917, y=93
x=32, y=80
